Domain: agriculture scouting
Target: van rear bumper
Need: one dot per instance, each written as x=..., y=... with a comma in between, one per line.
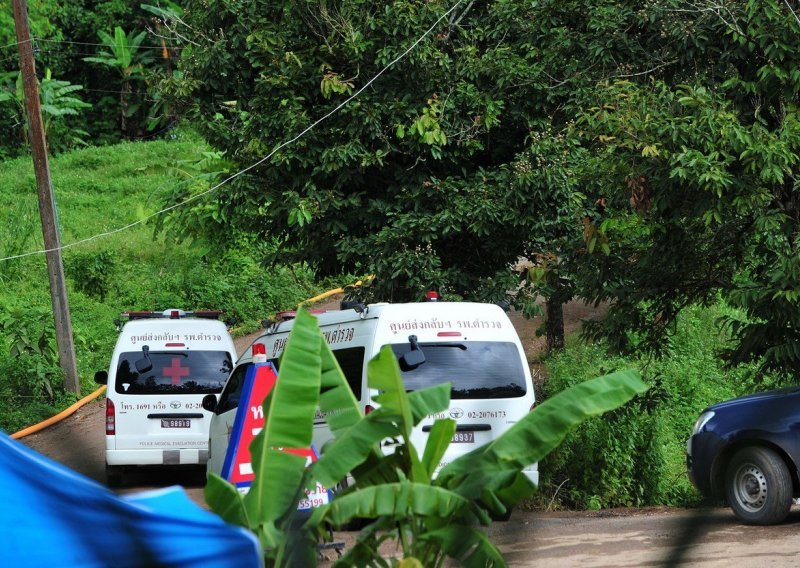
x=157, y=457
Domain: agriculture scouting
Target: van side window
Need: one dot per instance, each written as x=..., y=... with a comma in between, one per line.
x=232, y=392
x=351, y=361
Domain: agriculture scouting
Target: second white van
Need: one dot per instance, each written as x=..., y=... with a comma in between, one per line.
x=473, y=346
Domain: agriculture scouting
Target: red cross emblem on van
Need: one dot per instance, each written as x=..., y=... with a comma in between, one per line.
x=175, y=371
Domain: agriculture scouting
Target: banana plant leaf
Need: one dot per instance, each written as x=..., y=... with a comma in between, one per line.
x=365, y=551
x=539, y=432
x=470, y=547
x=383, y=374
x=121, y=48
x=438, y=441
x=269, y=507
x=399, y=500
x=356, y=442
x=336, y=401
x=225, y=500
x=288, y=423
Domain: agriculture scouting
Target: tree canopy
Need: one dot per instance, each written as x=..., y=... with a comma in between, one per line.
x=449, y=167
x=640, y=153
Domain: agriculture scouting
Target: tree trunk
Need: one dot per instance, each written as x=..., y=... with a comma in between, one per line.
x=123, y=104
x=554, y=324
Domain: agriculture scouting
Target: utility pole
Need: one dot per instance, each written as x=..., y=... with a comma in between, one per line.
x=47, y=210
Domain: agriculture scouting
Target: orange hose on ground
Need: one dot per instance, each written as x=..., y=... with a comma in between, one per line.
x=60, y=416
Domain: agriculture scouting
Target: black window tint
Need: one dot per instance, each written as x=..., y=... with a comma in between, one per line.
x=233, y=390
x=172, y=372
x=352, y=363
x=477, y=369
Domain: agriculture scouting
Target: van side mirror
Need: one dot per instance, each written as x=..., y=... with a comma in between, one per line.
x=101, y=377
x=144, y=364
x=412, y=359
x=209, y=402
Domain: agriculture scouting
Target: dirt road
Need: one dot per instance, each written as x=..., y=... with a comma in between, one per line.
x=610, y=538
x=603, y=539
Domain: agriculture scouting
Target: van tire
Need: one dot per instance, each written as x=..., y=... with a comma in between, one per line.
x=498, y=518
x=114, y=476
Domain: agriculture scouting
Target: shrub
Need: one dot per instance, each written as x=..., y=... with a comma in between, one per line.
x=33, y=370
x=92, y=272
x=634, y=456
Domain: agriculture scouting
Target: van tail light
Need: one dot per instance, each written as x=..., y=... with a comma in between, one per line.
x=432, y=296
x=367, y=409
x=111, y=427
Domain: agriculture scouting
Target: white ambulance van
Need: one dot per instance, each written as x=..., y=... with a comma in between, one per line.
x=163, y=364
x=473, y=346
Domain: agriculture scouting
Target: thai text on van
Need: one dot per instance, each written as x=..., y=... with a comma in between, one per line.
x=150, y=337
x=435, y=323
x=332, y=337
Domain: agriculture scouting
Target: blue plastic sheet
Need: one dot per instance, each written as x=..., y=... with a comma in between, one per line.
x=52, y=516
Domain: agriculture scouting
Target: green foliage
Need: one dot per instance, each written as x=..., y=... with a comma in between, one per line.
x=702, y=159
x=635, y=456
x=430, y=518
x=197, y=177
x=19, y=229
x=92, y=273
x=417, y=181
x=58, y=101
x=122, y=53
x=639, y=154
x=30, y=342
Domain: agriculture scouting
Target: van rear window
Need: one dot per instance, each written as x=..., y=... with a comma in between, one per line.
x=477, y=369
x=172, y=372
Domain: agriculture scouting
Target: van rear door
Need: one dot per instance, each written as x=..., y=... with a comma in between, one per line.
x=158, y=398
x=489, y=389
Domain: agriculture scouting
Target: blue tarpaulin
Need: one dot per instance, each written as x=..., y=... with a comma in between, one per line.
x=52, y=516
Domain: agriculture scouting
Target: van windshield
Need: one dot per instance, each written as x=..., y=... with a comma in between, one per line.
x=172, y=372
x=477, y=369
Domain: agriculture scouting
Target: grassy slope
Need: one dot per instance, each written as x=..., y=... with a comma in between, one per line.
x=99, y=190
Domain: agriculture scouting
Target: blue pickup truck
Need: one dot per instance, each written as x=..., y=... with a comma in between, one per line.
x=747, y=450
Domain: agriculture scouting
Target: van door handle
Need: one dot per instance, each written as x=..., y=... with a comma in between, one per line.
x=466, y=428
x=176, y=415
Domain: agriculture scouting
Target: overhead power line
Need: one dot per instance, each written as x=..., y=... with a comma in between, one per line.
x=100, y=44
x=16, y=43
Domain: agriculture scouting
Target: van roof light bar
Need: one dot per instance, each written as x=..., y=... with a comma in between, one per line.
x=291, y=314
x=172, y=314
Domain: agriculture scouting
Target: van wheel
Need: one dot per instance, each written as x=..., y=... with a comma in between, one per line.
x=114, y=476
x=758, y=486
